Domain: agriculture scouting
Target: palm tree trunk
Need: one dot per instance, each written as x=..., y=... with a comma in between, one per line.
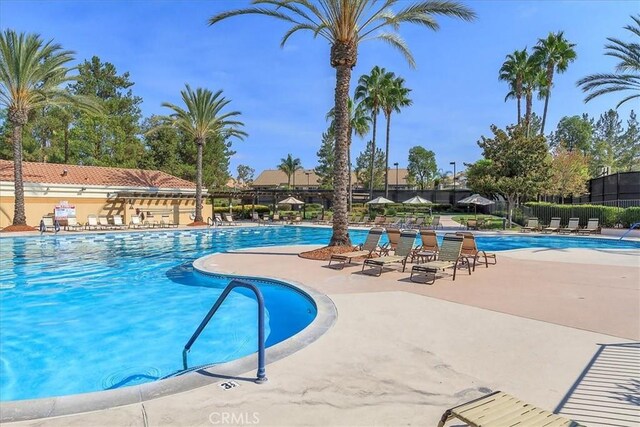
x=350, y=200
x=373, y=155
x=340, y=235
x=19, y=217
x=198, y=218
x=527, y=117
x=544, y=112
x=386, y=159
x=519, y=109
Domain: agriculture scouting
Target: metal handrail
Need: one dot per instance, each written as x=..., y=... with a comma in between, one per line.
x=634, y=225
x=261, y=375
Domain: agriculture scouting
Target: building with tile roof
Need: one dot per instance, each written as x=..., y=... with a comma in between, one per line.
x=308, y=179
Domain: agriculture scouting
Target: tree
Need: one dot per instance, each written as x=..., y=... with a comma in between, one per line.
x=370, y=92
x=203, y=120
x=514, y=70
x=344, y=24
x=573, y=133
x=326, y=158
x=422, y=166
x=245, y=174
x=627, y=73
x=554, y=54
x=628, y=153
x=394, y=96
x=569, y=173
x=519, y=165
x=534, y=79
x=363, y=168
x=608, y=135
x=31, y=75
x=290, y=166
x=110, y=139
x=162, y=144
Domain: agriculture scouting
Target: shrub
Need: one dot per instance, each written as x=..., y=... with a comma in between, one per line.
x=607, y=215
x=629, y=216
x=242, y=213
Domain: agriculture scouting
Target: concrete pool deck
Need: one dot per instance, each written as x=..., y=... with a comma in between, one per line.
x=401, y=353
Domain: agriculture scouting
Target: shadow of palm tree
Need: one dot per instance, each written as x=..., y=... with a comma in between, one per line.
x=607, y=392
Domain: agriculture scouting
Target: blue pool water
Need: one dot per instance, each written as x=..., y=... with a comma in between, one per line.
x=101, y=311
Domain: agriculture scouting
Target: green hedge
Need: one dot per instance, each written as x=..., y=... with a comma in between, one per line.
x=629, y=216
x=609, y=216
x=243, y=213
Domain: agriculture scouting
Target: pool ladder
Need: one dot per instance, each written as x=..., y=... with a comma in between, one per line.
x=261, y=376
x=634, y=225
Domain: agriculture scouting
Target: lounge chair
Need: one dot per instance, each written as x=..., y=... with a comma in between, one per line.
x=103, y=222
x=435, y=222
x=166, y=221
x=501, y=409
x=118, y=223
x=92, y=223
x=48, y=224
x=449, y=256
x=532, y=225
x=228, y=219
x=367, y=249
x=593, y=227
x=429, y=248
x=379, y=221
x=417, y=224
x=393, y=234
x=73, y=225
x=276, y=217
x=217, y=219
x=402, y=253
x=572, y=227
x=554, y=225
x=151, y=221
x=470, y=250
x=136, y=222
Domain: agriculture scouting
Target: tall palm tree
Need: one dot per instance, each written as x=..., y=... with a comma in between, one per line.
x=359, y=124
x=513, y=71
x=344, y=24
x=290, y=166
x=200, y=120
x=370, y=92
x=395, y=96
x=32, y=73
x=554, y=53
x=534, y=78
x=627, y=75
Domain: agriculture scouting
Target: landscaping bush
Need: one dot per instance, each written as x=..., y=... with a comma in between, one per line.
x=629, y=216
x=607, y=215
x=245, y=213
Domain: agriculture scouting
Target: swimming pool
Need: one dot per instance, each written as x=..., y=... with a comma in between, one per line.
x=101, y=311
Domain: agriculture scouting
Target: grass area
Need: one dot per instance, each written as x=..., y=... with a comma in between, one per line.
x=491, y=222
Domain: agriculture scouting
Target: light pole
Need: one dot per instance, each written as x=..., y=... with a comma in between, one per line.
x=308, y=173
x=454, y=182
x=396, y=165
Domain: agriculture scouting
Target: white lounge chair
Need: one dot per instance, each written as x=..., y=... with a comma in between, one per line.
x=92, y=223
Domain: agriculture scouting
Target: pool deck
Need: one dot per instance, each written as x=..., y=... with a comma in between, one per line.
x=400, y=353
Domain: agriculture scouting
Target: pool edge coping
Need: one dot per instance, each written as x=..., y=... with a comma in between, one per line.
x=50, y=407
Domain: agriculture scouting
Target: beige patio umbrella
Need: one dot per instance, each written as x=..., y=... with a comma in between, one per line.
x=417, y=200
x=291, y=201
x=379, y=201
x=475, y=200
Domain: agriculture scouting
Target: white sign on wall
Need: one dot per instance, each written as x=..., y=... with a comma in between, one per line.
x=64, y=210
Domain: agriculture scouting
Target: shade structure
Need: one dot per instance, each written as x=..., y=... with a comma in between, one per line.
x=379, y=201
x=417, y=200
x=476, y=199
x=291, y=201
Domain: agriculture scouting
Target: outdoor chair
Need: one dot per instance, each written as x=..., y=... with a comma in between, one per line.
x=217, y=219
x=393, y=234
x=470, y=250
x=366, y=250
x=228, y=219
x=92, y=223
x=103, y=222
x=449, y=256
x=47, y=224
x=276, y=217
x=435, y=222
x=167, y=222
x=554, y=225
x=500, y=409
x=135, y=222
x=472, y=224
x=379, y=221
x=429, y=247
x=417, y=224
x=402, y=253
x=532, y=225
x=593, y=227
x=151, y=222
x=572, y=227
x=117, y=222
x=73, y=225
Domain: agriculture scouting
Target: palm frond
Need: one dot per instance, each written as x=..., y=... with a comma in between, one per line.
x=396, y=41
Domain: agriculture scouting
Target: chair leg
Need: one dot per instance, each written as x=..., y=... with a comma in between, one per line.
x=455, y=267
x=445, y=418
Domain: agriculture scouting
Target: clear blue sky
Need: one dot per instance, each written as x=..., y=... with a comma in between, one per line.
x=284, y=94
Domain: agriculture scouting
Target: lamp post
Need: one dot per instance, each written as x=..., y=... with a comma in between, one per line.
x=396, y=165
x=454, y=182
x=308, y=173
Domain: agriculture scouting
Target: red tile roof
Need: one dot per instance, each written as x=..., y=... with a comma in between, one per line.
x=51, y=173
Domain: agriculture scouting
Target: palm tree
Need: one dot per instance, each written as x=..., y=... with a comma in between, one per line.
x=513, y=71
x=202, y=120
x=534, y=78
x=344, y=24
x=395, y=96
x=290, y=166
x=359, y=124
x=555, y=54
x=370, y=92
x=31, y=75
x=627, y=75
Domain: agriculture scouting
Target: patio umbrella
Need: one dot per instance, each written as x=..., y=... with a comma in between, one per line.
x=379, y=201
x=475, y=200
x=417, y=200
x=291, y=201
